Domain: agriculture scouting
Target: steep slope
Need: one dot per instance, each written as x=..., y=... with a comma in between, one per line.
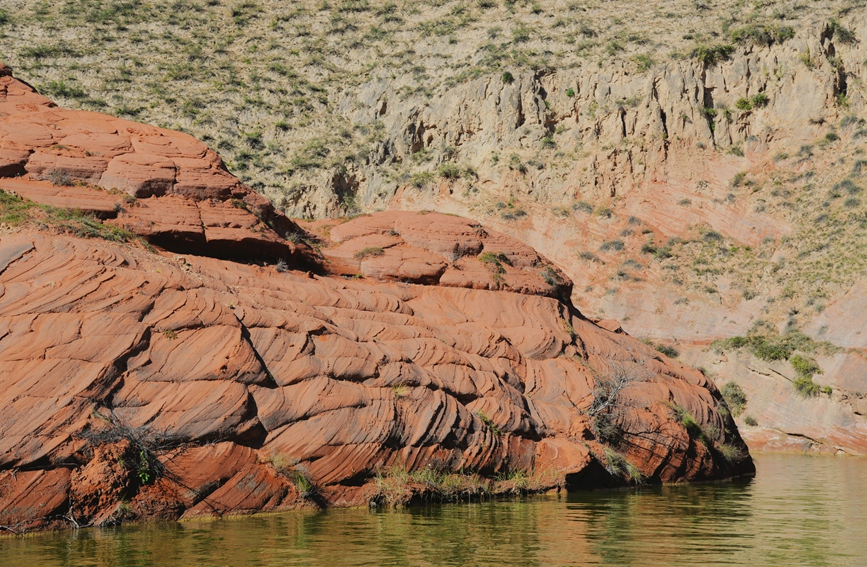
x=139, y=383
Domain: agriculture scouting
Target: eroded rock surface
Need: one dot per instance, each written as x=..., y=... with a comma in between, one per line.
x=143, y=385
x=243, y=367
x=160, y=184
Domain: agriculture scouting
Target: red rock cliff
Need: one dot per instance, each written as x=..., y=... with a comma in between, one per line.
x=427, y=356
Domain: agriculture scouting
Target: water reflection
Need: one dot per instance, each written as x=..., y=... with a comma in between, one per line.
x=797, y=511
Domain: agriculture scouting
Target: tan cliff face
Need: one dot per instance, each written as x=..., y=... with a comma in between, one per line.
x=382, y=358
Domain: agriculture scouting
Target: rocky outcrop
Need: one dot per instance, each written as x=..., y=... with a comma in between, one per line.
x=144, y=385
x=137, y=386
x=162, y=185
x=627, y=134
x=439, y=249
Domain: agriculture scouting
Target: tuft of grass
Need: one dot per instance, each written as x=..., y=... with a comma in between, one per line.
x=369, y=252
x=618, y=465
x=490, y=424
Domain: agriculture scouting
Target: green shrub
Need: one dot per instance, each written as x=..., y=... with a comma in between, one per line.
x=667, y=350
x=769, y=347
x=612, y=245
x=712, y=54
x=759, y=100
x=508, y=78
x=617, y=465
x=729, y=452
x=761, y=35
x=840, y=33
x=693, y=429
x=489, y=258
x=751, y=421
x=570, y=92
x=643, y=61
x=743, y=104
x=806, y=387
x=490, y=424
x=421, y=179
x=449, y=170
x=583, y=207
x=735, y=398
x=61, y=89
x=805, y=368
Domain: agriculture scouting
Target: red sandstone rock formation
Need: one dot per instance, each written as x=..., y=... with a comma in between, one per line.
x=137, y=385
x=161, y=184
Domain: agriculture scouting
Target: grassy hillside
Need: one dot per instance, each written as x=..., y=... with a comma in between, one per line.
x=260, y=81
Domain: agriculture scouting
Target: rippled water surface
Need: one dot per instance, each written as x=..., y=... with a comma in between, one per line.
x=798, y=510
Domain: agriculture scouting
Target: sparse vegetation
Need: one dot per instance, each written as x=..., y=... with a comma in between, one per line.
x=15, y=211
x=369, y=252
x=735, y=398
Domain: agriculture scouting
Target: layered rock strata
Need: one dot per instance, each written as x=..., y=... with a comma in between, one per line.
x=139, y=384
x=164, y=185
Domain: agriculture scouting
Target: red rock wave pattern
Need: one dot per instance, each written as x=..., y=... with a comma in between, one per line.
x=164, y=185
x=433, y=248
x=137, y=385
x=244, y=367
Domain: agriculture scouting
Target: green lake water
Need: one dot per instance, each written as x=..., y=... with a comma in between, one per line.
x=798, y=510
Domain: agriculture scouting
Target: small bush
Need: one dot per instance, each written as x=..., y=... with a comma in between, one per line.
x=806, y=387
x=751, y=421
x=58, y=177
x=583, y=207
x=712, y=54
x=491, y=259
x=761, y=35
x=667, y=350
x=449, y=171
x=520, y=33
x=508, y=78
x=612, y=246
x=421, y=179
x=759, y=100
x=693, y=428
x=735, y=398
x=743, y=104
x=490, y=424
x=712, y=236
x=643, y=62
x=840, y=33
x=570, y=92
